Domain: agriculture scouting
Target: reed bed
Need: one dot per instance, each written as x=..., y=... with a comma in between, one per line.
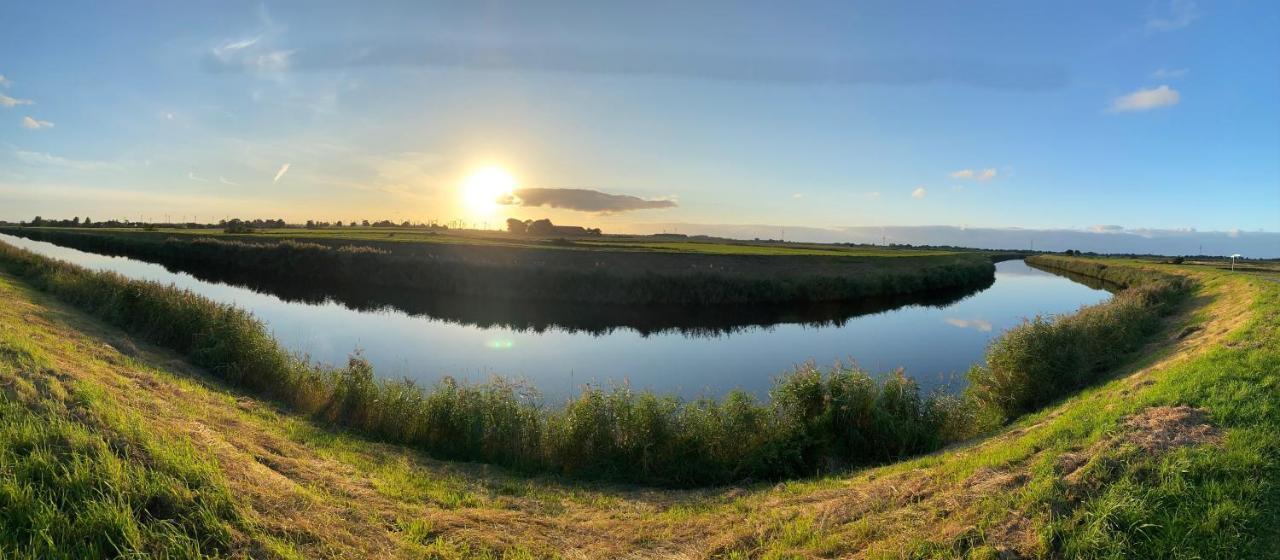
x=814, y=421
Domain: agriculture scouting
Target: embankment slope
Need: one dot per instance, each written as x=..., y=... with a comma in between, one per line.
x=1176, y=456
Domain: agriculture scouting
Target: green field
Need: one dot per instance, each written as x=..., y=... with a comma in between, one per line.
x=611, y=270
x=713, y=246
x=109, y=445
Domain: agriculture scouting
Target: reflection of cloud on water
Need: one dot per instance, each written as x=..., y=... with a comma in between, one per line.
x=979, y=324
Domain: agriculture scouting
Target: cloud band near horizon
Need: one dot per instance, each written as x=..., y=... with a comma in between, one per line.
x=582, y=200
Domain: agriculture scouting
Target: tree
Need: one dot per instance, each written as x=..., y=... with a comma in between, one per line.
x=541, y=227
x=516, y=226
x=237, y=226
x=87, y=222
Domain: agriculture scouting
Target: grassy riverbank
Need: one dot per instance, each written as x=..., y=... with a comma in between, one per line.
x=1174, y=456
x=598, y=275
x=813, y=421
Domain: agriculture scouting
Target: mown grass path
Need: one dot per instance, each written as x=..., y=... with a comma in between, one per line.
x=1177, y=456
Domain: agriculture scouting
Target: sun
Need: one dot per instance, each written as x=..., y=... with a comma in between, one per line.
x=483, y=188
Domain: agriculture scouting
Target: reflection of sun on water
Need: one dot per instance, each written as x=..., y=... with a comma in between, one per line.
x=482, y=189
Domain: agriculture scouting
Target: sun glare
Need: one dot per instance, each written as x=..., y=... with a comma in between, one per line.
x=482, y=189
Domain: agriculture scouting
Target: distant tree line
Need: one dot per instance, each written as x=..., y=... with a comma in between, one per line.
x=237, y=225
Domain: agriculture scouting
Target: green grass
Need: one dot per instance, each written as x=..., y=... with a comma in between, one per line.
x=502, y=239
x=1216, y=499
x=80, y=477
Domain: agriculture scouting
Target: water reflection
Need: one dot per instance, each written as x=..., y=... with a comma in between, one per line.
x=594, y=319
x=544, y=316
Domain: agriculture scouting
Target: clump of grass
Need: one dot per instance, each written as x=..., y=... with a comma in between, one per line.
x=1045, y=359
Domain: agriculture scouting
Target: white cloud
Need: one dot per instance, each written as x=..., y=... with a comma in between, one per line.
x=873, y=195
x=797, y=195
x=1146, y=100
x=1233, y=232
x=918, y=193
x=1170, y=73
x=6, y=101
x=977, y=175
x=49, y=160
x=1106, y=228
x=192, y=175
x=283, y=169
x=251, y=54
x=5, y=82
x=229, y=48
x=226, y=181
x=35, y=124
x=1173, y=15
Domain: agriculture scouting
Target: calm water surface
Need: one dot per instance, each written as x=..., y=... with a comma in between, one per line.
x=934, y=343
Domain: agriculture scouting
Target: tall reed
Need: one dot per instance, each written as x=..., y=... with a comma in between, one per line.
x=1046, y=358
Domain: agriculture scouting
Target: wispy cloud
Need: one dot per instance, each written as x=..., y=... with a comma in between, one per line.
x=283, y=169
x=35, y=124
x=1170, y=73
x=245, y=55
x=975, y=175
x=252, y=54
x=5, y=82
x=797, y=195
x=1173, y=15
x=919, y=193
x=1146, y=100
x=230, y=48
x=49, y=160
x=1107, y=228
x=6, y=101
x=583, y=200
x=226, y=181
x=872, y=195
x=192, y=175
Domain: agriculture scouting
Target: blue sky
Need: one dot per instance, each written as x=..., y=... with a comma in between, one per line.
x=1153, y=115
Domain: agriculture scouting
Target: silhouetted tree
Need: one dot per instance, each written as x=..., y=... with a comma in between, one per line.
x=540, y=227
x=516, y=226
